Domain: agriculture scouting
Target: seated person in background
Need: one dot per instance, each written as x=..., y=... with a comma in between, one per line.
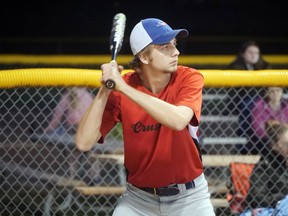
x=249, y=58
x=240, y=101
x=64, y=122
x=271, y=107
x=268, y=181
x=69, y=110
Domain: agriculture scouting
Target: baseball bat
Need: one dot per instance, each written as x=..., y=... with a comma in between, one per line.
x=116, y=39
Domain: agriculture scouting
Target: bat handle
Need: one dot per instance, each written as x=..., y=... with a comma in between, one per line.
x=110, y=84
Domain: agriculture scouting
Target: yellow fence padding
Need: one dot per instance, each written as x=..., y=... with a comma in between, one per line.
x=232, y=78
x=124, y=59
x=44, y=77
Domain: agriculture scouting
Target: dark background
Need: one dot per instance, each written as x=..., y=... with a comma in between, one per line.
x=84, y=26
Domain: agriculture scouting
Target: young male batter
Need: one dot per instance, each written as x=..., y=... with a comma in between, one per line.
x=159, y=106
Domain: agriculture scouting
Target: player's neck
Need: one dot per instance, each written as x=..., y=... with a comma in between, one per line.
x=155, y=82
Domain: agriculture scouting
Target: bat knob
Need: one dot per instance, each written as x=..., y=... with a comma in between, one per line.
x=110, y=84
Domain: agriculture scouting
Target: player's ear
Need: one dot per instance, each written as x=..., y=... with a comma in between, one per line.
x=144, y=58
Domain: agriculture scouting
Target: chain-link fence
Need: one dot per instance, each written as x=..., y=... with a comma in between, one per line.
x=42, y=173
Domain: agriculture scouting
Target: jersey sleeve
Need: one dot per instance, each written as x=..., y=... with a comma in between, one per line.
x=111, y=115
x=190, y=93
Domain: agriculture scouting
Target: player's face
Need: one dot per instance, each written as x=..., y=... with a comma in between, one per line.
x=251, y=54
x=164, y=57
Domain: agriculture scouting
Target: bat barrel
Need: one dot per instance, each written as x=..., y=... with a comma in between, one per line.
x=116, y=39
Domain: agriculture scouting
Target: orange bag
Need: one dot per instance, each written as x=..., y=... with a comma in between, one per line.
x=239, y=185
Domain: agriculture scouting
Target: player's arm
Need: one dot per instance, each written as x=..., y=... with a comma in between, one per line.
x=172, y=116
x=88, y=132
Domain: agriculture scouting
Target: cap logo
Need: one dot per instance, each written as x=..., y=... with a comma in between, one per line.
x=161, y=23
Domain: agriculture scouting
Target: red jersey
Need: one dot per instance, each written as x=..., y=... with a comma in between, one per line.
x=155, y=155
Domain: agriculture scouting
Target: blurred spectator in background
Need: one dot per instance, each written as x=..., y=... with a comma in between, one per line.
x=63, y=125
x=249, y=58
x=69, y=110
x=240, y=101
x=268, y=181
x=271, y=107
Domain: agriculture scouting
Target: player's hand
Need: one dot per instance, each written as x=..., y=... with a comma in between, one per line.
x=112, y=71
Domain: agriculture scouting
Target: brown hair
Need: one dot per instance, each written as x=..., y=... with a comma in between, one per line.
x=261, y=64
x=135, y=62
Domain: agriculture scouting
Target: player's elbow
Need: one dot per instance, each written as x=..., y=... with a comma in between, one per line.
x=182, y=119
x=84, y=144
x=179, y=126
x=82, y=148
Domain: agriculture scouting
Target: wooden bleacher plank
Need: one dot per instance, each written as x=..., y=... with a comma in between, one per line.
x=224, y=140
x=218, y=118
x=219, y=202
x=117, y=157
x=209, y=97
x=208, y=160
x=219, y=189
x=101, y=190
x=225, y=160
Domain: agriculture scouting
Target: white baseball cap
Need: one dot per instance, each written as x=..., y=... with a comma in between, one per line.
x=152, y=31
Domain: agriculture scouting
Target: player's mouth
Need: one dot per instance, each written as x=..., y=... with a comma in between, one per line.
x=174, y=62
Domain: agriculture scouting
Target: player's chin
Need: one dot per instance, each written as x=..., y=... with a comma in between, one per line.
x=172, y=68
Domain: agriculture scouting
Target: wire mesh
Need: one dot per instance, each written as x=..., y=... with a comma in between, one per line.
x=42, y=173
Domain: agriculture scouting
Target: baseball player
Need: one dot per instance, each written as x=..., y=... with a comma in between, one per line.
x=159, y=105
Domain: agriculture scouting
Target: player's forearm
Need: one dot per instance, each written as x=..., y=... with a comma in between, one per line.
x=88, y=132
x=174, y=117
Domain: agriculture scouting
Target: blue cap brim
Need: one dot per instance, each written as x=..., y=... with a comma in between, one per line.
x=170, y=35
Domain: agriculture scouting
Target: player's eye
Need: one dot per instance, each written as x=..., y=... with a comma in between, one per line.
x=166, y=47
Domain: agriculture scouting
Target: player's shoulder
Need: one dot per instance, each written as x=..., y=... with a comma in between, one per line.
x=130, y=76
x=187, y=71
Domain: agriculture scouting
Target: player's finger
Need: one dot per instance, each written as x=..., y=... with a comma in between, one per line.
x=120, y=68
x=114, y=63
